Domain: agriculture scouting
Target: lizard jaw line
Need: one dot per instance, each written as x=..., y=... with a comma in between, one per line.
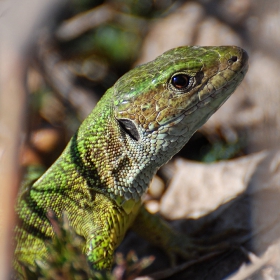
x=216, y=94
x=202, y=103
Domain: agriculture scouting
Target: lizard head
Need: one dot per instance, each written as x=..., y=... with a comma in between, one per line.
x=183, y=81
x=159, y=105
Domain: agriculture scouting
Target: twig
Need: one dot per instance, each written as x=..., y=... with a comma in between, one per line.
x=19, y=25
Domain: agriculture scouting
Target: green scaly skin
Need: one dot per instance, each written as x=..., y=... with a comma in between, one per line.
x=138, y=125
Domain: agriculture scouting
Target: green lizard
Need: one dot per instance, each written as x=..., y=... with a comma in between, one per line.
x=137, y=126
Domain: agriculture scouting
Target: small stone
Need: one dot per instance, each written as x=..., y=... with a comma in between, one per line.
x=156, y=188
x=152, y=206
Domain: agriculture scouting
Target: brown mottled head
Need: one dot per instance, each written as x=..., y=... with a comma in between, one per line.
x=159, y=105
x=182, y=80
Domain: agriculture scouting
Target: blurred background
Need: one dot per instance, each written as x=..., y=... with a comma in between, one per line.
x=59, y=57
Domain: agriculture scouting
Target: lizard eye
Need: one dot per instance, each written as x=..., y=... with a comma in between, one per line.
x=180, y=81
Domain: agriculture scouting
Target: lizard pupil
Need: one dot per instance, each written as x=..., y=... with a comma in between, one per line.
x=180, y=81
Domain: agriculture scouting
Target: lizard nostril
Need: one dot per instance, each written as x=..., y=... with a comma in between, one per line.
x=232, y=59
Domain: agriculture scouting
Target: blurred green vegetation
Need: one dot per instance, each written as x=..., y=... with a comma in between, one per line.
x=66, y=260
x=95, y=58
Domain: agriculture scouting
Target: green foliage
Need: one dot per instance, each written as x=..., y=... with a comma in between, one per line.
x=222, y=151
x=119, y=45
x=66, y=259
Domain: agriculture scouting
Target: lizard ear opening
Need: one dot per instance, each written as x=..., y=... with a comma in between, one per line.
x=130, y=128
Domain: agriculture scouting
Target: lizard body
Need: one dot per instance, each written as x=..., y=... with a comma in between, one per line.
x=137, y=126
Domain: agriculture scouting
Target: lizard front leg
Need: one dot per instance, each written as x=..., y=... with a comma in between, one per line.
x=109, y=225
x=100, y=249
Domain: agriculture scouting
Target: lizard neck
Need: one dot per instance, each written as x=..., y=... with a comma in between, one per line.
x=99, y=158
